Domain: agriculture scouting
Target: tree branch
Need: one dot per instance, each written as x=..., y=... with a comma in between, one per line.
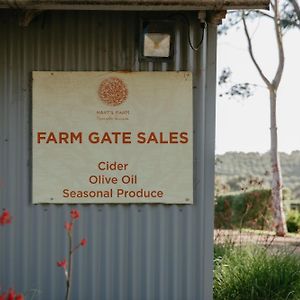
x=278, y=33
x=250, y=48
x=263, y=14
x=296, y=7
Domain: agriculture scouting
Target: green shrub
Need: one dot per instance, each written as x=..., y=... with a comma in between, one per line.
x=249, y=209
x=255, y=274
x=220, y=250
x=293, y=221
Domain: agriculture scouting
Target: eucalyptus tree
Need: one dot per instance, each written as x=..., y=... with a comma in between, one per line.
x=284, y=14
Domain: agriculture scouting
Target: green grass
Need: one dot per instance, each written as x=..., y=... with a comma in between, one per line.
x=243, y=273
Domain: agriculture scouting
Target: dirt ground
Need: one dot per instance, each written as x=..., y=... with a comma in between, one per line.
x=290, y=243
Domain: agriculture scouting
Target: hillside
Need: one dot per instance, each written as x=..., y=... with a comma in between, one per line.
x=234, y=168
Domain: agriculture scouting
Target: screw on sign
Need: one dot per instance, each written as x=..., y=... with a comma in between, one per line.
x=113, y=91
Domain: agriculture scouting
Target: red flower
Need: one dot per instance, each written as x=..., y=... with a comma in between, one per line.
x=83, y=242
x=68, y=226
x=3, y=296
x=75, y=214
x=5, y=218
x=20, y=297
x=62, y=263
x=11, y=294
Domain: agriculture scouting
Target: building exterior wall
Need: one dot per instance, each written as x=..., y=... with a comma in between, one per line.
x=134, y=252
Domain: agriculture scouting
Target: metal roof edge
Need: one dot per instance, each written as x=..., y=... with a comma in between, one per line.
x=135, y=5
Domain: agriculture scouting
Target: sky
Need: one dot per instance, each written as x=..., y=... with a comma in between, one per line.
x=243, y=124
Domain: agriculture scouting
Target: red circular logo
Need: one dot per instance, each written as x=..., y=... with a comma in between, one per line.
x=113, y=91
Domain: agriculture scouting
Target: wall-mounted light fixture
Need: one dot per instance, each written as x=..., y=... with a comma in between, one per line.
x=156, y=40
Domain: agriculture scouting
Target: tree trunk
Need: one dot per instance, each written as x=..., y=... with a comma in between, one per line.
x=279, y=216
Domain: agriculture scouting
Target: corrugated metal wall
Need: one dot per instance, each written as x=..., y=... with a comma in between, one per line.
x=134, y=252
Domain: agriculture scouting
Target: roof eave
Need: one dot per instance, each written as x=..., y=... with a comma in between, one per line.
x=135, y=5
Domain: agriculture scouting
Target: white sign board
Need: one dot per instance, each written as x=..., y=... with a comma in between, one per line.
x=112, y=137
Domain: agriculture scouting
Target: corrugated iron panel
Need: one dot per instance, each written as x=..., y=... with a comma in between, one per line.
x=134, y=252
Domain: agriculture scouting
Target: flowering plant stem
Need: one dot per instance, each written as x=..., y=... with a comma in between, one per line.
x=67, y=265
x=69, y=271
